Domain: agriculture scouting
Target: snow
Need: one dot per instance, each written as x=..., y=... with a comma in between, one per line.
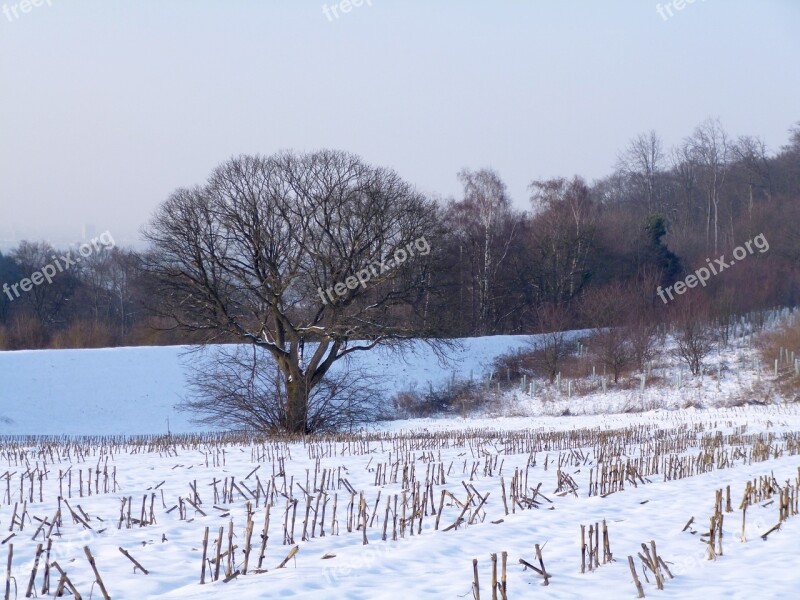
x=133, y=390
x=434, y=563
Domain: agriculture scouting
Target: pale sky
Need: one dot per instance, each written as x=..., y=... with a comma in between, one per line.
x=108, y=106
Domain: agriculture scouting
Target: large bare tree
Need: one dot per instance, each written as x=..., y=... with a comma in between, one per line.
x=312, y=257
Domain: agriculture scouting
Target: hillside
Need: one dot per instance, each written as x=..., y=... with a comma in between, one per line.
x=119, y=391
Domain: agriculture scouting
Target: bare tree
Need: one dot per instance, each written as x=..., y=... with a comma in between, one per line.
x=604, y=310
x=94, y=277
x=694, y=334
x=642, y=161
x=752, y=154
x=685, y=173
x=553, y=345
x=48, y=303
x=487, y=208
x=710, y=147
x=613, y=348
x=643, y=334
x=563, y=236
x=240, y=387
x=9, y=272
x=123, y=276
x=292, y=249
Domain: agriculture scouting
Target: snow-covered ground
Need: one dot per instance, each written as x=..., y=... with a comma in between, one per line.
x=133, y=390
x=130, y=391
x=431, y=563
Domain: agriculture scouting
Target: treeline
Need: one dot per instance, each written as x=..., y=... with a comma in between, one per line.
x=584, y=254
x=100, y=300
x=656, y=219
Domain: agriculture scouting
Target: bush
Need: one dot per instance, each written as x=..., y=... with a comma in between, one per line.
x=612, y=347
x=770, y=344
x=83, y=334
x=694, y=335
x=455, y=397
x=644, y=336
x=513, y=365
x=26, y=332
x=544, y=358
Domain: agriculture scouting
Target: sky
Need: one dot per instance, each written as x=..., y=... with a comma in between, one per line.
x=109, y=106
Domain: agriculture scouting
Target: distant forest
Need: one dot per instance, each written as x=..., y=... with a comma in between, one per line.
x=583, y=254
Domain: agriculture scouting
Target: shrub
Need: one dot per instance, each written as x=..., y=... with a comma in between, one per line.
x=26, y=333
x=694, y=335
x=83, y=334
x=455, y=397
x=612, y=347
x=769, y=344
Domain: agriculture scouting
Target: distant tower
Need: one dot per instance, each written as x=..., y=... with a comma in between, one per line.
x=88, y=232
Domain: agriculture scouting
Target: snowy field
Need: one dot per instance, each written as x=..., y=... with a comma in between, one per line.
x=403, y=509
x=481, y=462
x=133, y=391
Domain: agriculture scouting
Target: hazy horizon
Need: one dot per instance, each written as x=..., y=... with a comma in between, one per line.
x=110, y=106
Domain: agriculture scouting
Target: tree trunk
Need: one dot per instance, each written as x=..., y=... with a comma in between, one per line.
x=297, y=405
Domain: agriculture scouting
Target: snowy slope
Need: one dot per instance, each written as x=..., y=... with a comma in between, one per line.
x=133, y=390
